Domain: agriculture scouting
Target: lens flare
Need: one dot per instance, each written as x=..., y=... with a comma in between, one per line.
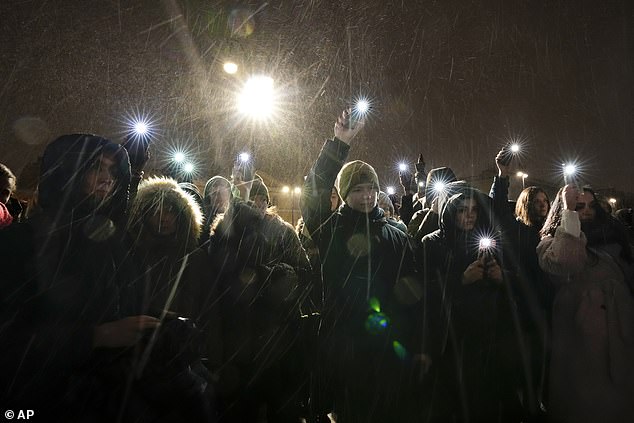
x=390, y=190
x=377, y=323
x=439, y=187
x=570, y=169
x=179, y=157
x=399, y=350
x=375, y=304
x=139, y=126
x=403, y=167
x=188, y=167
x=362, y=106
x=486, y=243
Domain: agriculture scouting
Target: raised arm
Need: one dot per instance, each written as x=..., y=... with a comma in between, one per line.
x=315, y=200
x=565, y=252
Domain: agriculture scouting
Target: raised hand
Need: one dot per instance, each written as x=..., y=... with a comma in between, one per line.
x=343, y=129
x=503, y=161
x=123, y=333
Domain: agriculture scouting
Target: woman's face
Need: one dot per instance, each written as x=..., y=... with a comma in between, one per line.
x=585, y=207
x=163, y=221
x=467, y=214
x=540, y=205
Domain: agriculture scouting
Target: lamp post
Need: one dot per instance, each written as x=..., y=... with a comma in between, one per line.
x=293, y=192
x=523, y=176
x=612, y=202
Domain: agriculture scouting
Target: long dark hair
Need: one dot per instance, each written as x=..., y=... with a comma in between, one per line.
x=524, y=209
x=605, y=229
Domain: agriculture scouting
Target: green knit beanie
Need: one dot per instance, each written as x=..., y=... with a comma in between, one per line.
x=354, y=173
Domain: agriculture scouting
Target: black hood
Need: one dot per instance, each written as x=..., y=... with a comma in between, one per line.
x=64, y=165
x=455, y=193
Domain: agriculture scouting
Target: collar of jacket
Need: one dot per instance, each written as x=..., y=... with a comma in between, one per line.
x=376, y=215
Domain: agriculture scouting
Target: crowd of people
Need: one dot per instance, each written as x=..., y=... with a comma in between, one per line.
x=141, y=299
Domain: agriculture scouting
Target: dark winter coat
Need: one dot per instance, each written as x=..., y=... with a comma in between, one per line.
x=66, y=277
x=531, y=287
x=469, y=329
x=369, y=326
x=260, y=270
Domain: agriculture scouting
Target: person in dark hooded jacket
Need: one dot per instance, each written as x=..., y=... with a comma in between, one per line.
x=164, y=224
x=216, y=198
x=470, y=330
x=261, y=270
x=368, y=333
x=67, y=300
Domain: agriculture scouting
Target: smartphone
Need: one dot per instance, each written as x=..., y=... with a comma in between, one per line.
x=486, y=249
x=244, y=168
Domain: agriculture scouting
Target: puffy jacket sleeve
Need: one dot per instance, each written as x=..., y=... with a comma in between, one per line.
x=315, y=200
x=564, y=253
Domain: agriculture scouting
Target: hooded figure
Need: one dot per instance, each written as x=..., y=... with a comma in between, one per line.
x=164, y=225
x=261, y=271
x=216, y=197
x=468, y=314
x=68, y=289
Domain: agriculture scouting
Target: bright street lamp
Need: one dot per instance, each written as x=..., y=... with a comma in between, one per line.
x=230, y=68
x=293, y=192
x=257, y=98
x=523, y=176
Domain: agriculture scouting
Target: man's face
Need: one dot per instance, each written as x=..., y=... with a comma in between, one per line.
x=6, y=189
x=585, y=207
x=541, y=205
x=362, y=197
x=467, y=214
x=100, y=179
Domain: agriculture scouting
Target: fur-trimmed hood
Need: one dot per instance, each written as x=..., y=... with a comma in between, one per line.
x=160, y=192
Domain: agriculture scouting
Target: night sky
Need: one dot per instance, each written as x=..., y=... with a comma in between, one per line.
x=454, y=80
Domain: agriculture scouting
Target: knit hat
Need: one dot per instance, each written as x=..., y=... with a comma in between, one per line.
x=355, y=173
x=259, y=188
